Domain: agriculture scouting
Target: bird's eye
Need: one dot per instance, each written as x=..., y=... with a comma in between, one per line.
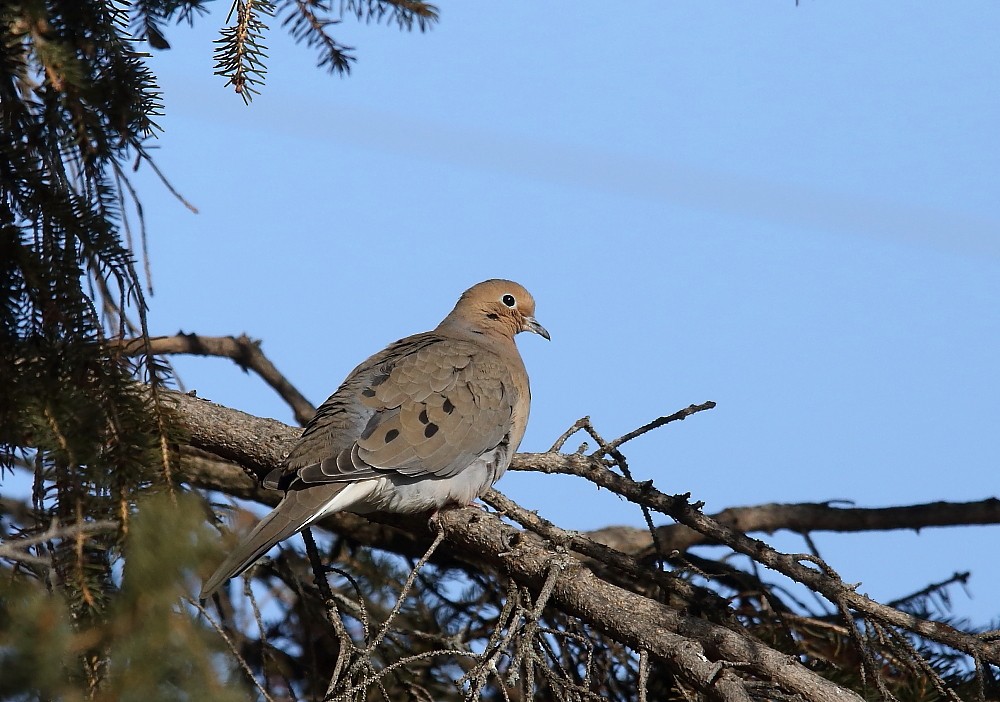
x=508, y=300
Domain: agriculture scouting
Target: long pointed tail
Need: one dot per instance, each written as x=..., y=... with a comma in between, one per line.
x=297, y=510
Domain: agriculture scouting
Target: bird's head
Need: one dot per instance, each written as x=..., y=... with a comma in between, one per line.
x=496, y=307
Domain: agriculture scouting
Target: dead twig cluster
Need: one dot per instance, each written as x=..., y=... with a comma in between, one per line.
x=509, y=606
x=709, y=629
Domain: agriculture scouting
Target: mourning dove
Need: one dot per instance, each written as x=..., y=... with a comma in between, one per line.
x=432, y=420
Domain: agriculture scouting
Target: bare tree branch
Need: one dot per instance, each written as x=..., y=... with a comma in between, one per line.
x=687, y=644
x=657, y=423
x=702, y=654
x=619, y=564
x=678, y=639
x=820, y=579
x=242, y=349
x=807, y=517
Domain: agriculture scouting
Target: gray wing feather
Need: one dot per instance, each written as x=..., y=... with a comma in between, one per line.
x=421, y=407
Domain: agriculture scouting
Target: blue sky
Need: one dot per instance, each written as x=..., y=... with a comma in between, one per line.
x=790, y=211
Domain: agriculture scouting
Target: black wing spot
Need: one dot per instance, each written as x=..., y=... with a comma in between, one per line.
x=423, y=416
x=448, y=406
x=430, y=430
x=379, y=379
x=368, y=392
x=391, y=434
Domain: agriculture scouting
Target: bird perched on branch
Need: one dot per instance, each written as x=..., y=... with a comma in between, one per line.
x=432, y=420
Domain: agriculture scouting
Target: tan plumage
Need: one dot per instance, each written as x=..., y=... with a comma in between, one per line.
x=433, y=419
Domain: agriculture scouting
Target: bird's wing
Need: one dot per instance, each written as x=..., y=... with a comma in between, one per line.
x=432, y=408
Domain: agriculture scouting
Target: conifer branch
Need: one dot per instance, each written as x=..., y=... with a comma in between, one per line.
x=240, y=51
x=403, y=13
x=306, y=22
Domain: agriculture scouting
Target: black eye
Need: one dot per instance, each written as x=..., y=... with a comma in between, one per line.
x=508, y=300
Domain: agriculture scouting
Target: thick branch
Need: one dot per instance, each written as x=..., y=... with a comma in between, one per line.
x=681, y=640
x=259, y=444
x=686, y=643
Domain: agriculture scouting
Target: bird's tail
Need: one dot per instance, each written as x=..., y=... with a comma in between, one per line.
x=297, y=510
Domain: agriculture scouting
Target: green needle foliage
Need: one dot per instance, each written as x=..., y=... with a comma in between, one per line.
x=146, y=645
x=77, y=102
x=239, y=52
x=83, y=428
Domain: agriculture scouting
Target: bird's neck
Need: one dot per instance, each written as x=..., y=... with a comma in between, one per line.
x=495, y=336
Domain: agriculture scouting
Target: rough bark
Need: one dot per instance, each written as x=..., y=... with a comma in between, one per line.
x=703, y=654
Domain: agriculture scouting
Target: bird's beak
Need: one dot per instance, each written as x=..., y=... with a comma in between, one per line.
x=531, y=324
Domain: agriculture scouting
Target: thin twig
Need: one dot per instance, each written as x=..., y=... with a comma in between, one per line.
x=659, y=422
x=619, y=458
x=830, y=586
x=631, y=568
x=564, y=437
x=401, y=663
x=232, y=648
x=404, y=591
x=13, y=549
x=163, y=179
x=248, y=592
x=643, y=674
x=931, y=589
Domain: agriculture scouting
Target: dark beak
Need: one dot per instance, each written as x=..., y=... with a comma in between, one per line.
x=531, y=324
